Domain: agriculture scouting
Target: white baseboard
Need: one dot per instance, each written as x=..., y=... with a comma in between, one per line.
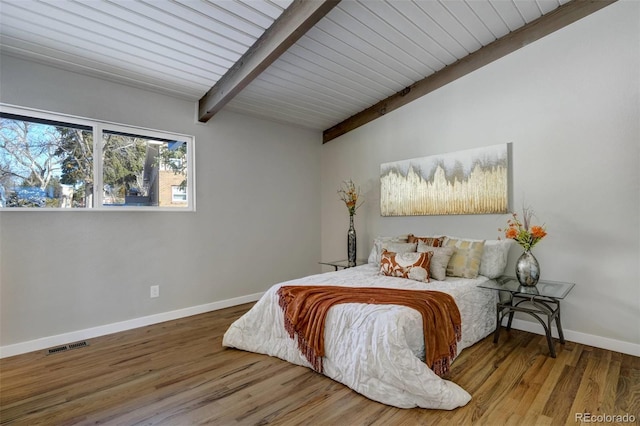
x=89, y=333
x=582, y=338
x=75, y=336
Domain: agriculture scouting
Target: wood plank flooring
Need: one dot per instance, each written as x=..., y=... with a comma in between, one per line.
x=178, y=373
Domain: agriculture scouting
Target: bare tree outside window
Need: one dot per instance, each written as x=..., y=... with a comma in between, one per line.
x=51, y=164
x=34, y=162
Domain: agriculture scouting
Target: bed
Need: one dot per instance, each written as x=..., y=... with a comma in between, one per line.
x=377, y=350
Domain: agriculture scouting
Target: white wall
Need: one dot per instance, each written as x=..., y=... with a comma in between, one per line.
x=569, y=104
x=257, y=219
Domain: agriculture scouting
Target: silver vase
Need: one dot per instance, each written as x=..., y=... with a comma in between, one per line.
x=527, y=269
x=351, y=243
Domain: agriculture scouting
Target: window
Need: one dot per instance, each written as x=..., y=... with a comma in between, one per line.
x=140, y=171
x=49, y=161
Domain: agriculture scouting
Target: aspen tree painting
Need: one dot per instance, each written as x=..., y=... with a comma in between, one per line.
x=473, y=181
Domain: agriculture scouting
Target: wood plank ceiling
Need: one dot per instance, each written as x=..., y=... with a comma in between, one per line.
x=360, y=53
x=177, y=47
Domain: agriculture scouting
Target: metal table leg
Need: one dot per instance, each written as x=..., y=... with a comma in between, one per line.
x=540, y=307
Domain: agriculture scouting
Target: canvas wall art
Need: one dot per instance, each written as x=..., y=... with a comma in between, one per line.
x=473, y=181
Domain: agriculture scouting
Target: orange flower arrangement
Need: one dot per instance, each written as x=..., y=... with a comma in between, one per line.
x=523, y=232
x=349, y=194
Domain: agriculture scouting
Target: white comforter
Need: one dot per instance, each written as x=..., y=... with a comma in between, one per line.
x=377, y=350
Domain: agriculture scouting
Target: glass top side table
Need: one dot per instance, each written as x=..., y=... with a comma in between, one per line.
x=344, y=263
x=541, y=300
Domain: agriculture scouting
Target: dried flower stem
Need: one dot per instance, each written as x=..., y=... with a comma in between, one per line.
x=350, y=194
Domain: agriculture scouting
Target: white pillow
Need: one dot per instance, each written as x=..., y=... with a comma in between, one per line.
x=396, y=247
x=376, y=250
x=494, y=257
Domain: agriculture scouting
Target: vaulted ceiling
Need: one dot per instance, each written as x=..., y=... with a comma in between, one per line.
x=354, y=58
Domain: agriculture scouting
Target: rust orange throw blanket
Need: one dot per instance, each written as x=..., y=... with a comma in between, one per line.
x=305, y=311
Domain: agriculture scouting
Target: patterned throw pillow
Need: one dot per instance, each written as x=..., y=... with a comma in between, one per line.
x=430, y=241
x=439, y=259
x=465, y=261
x=414, y=266
x=495, y=254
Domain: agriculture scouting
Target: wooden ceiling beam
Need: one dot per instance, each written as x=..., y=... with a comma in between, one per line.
x=294, y=22
x=545, y=25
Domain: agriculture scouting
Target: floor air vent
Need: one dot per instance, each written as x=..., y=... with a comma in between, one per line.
x=68, y=347
x=78, y=345
x=58, y=349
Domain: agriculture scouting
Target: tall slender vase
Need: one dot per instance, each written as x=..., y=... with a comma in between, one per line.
x=351, y=243
x=527, y=269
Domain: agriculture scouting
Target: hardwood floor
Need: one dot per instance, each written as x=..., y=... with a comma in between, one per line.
x=177, y=373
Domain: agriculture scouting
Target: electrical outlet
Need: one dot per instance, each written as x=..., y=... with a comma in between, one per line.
x=154, y=291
